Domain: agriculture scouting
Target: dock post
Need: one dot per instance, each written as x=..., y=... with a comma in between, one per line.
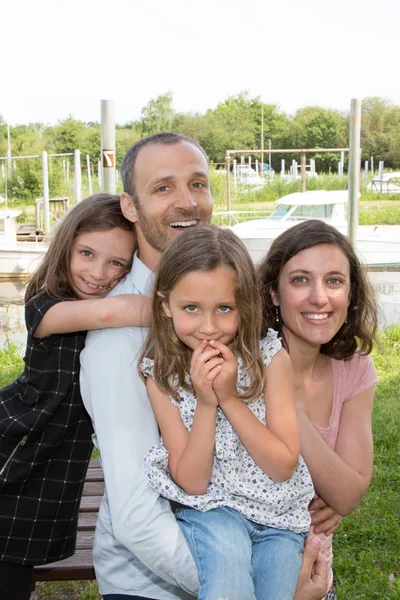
x=108, y=146
x=46, y=196
x=354, y=168
x=77, y=176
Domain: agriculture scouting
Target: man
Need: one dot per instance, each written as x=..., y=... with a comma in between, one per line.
x=139, y=550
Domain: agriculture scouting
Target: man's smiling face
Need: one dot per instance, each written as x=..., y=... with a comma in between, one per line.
x=173, y=193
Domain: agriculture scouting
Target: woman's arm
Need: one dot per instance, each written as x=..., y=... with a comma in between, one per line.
x=341, y=476
x=190, y=455
x=84, y=315
x=275, y=448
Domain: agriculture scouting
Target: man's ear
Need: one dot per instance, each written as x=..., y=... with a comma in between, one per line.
x=165, y=305
x=274, y=297
x=128, y=208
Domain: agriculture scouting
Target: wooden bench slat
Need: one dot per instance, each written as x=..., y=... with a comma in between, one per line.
x=87, y=521
x=94, y=474
x=79, y=566
x=93, y=488
x=84, y=540
x=90, y=504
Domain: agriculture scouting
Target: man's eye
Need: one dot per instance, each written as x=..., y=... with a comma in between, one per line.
x=224, y=309
x=191, y=308
x=199, y=184
x=162, y=188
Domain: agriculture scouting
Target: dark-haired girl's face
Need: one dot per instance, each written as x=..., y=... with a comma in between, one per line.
x=313, y=294
x=98, y=261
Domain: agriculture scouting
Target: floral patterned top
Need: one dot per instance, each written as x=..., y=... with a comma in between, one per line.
x=236, y=481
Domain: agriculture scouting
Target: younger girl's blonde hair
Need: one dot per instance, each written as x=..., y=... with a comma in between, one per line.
x=204, y=248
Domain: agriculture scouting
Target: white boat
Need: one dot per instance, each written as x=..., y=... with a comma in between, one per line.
x=18, y=260
x=377, y=245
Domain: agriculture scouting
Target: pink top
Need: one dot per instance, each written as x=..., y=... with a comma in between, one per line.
x=350, y=378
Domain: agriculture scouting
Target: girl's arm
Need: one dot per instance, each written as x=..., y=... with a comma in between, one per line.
x=275, y=448
x=83, y=315
x=190, y=455
x=341, y=476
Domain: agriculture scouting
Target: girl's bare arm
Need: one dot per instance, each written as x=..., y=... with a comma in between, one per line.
x=84, y=315
x=275, y=447
x=341, y=476
x=190, y=455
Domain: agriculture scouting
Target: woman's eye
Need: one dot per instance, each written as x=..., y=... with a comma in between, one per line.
x=116, y=263
x=191, y=308
x=299, y=279
x=86, y=253
x=334, y=281
x=224, y=309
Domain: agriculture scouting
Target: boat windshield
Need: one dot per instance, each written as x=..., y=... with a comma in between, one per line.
x=312, y=211
x=280, y=212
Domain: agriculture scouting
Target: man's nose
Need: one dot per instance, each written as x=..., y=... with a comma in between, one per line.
x=185, y=199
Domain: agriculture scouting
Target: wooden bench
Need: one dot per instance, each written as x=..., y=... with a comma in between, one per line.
x=80, y=565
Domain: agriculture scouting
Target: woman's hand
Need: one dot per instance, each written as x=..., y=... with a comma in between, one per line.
x=205, y=366
x=224, y=383
x=324, y=518
x=313, y=578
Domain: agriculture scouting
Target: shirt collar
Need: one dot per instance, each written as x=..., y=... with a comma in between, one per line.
x=141, y=276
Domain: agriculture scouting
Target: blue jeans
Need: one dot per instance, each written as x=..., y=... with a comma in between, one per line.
x=241, y=560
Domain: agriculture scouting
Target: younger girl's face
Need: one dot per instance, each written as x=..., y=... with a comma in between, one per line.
x=202, y=306
x=98, y=261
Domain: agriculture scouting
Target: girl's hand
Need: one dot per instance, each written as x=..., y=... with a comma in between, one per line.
x=224, y=384
x=204, y=368
x=324, y=518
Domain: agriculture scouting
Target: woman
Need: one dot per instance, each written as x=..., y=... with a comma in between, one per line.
x=317, y=296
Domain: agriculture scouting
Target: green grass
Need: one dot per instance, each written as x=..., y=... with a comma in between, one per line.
x=367, y=545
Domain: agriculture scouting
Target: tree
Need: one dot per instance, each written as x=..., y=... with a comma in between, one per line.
x=157, y=115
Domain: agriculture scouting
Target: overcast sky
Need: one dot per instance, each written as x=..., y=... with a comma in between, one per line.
x=60, y=57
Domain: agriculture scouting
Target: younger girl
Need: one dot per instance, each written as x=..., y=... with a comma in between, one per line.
x=224, y=404
x=45, y=433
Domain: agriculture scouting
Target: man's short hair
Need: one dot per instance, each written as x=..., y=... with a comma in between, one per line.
x=129, y=160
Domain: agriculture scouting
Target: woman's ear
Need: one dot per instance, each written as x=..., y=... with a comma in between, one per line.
x=165, y=304
x=128, y=208
x=274, y=297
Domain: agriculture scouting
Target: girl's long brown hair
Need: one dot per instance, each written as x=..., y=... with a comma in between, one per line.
x=98, y=212
x=204, y=248
x=359, y=330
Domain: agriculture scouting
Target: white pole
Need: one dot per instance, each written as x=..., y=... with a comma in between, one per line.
x=8, y=152
x=108, y=145
x=99, y=173
x=365, y=172
x=282, y=167
x=77, y=176
x=257, y=171
x=269, y=153
x=372, y=166
x=342, y=161
x=89, y=176
x=234, y=174
x=46, y=197
x=380, y=174
x=340, y=169
x=354, y=167
x=249, y=162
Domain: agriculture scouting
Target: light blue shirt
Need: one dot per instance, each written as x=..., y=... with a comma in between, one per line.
x=139, y=548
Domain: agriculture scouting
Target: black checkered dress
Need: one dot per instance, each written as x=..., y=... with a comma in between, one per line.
x=45, y=447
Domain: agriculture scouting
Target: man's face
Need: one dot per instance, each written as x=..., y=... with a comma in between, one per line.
x=173, y=190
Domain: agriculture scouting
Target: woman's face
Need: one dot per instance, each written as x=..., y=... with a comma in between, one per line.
x=314, y=294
